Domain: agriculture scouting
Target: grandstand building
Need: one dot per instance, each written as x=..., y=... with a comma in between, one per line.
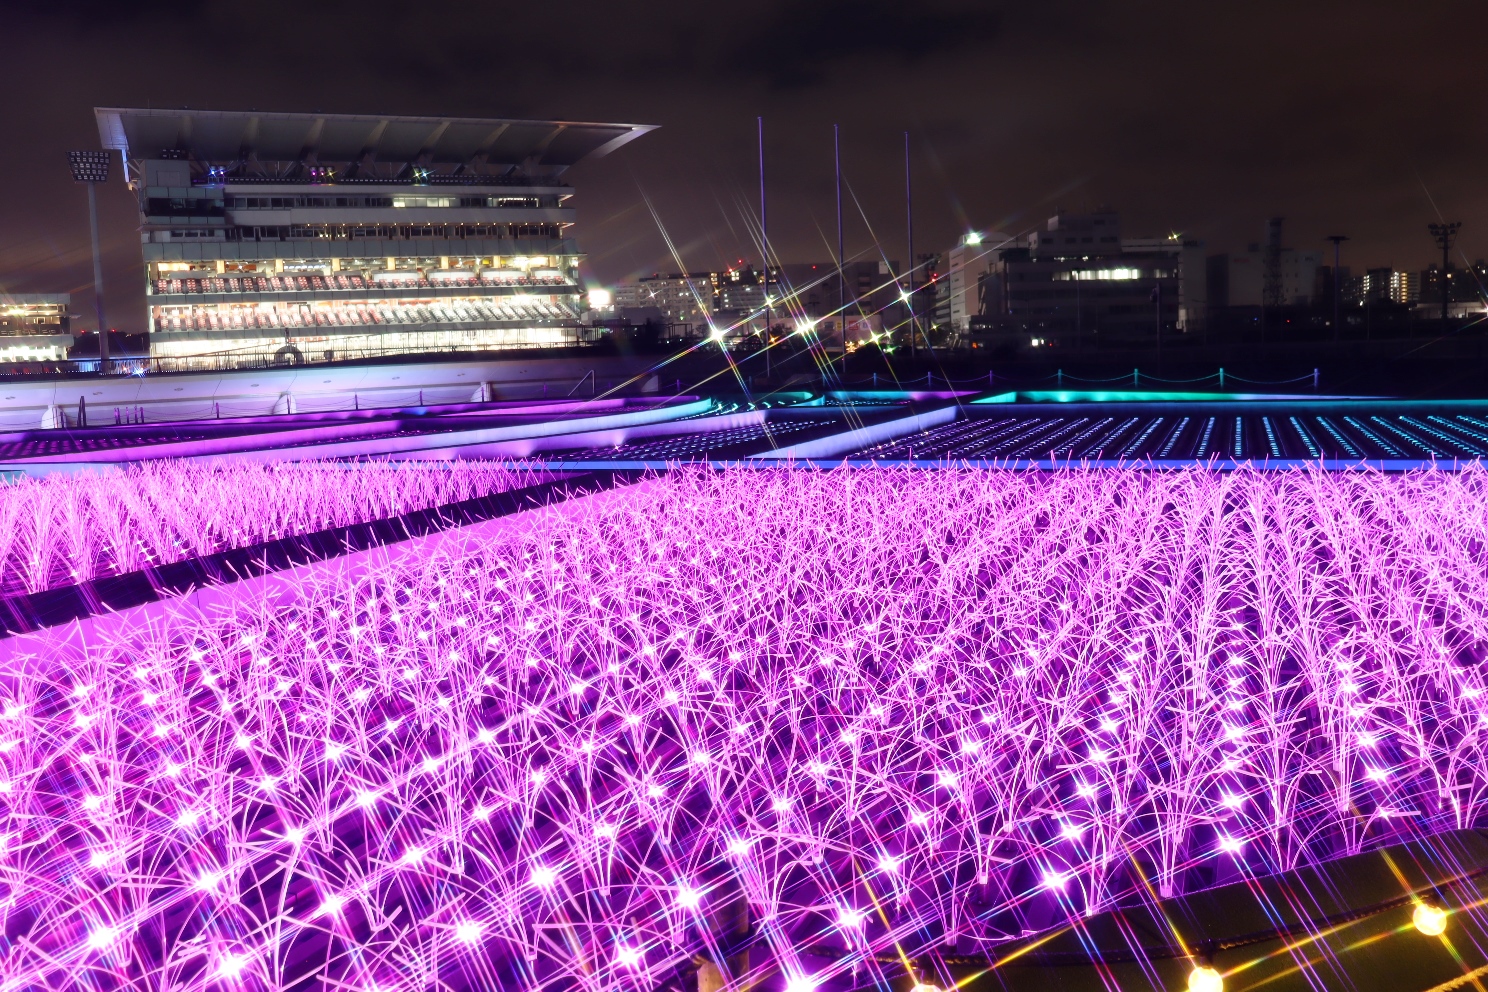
x=298, y=236
x=34, y=327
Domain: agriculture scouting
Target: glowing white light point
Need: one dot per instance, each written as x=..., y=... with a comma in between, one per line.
x=1430, y=920
x=232, y=965
x=1205, y=979
x=101, y=937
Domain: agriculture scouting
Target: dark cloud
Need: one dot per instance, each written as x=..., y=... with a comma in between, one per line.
x=796, y=44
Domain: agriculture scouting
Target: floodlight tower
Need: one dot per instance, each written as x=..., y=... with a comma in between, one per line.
x=1445, y=233
x=1337, y=240
x=764, y=243
x=92, y=168
x=909, y=233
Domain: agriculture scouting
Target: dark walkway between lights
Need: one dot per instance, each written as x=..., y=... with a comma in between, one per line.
x=51, y=607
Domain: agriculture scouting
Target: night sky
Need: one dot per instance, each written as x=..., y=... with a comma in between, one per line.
x=1364, y=118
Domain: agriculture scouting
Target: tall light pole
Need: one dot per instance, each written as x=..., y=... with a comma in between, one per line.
x=909, y=231
x=1337, y=240
x=841, y=279
x=1445, y=234
x=764, y=242
x=92, y=168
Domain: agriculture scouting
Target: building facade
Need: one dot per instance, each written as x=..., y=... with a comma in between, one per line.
x=681, y=298
x=1079, y=283
x=1464, y=287
x=1265, y=274
x=34, y=327
x=1389, y=285
x=733, y=300
x=287, y=236
x=966, y=267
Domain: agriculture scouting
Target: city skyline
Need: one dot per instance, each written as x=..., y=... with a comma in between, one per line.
x=1206, y=124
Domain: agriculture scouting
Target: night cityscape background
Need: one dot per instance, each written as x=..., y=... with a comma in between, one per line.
x=802, y=497
x=1343, y=119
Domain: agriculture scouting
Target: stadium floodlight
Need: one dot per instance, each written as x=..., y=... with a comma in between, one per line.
x=89, y=167
x=92, y=168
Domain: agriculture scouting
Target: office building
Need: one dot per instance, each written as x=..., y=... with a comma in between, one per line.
x=681, y=298
x=287, y=236
x=1078, y=282
x=734, y=299
x=967, y=265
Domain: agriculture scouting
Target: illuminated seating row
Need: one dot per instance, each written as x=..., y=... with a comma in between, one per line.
x=346, y=315
x=352, y=281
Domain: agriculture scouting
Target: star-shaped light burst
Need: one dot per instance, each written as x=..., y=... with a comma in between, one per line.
x=844, y=706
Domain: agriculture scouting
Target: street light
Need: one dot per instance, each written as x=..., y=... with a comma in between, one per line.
x=93, y=168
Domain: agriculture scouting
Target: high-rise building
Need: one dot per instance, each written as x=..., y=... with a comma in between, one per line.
x=734, y=299
x=1465, y=287
x=288, y=236
x=967, y=265
x=1405, y=287
x=34, y=327
x=682, y=297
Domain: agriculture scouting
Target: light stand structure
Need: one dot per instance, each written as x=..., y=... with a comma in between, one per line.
x=1445, y=234
x=92, y=168
x=909, y=234
x=764, y=244
x=1337, y=240
x=841, y=261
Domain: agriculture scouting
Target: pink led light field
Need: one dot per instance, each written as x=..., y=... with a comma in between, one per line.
x=63, y=529
x=826, y=715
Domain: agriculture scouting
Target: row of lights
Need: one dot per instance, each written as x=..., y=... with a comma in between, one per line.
x=1428, y=919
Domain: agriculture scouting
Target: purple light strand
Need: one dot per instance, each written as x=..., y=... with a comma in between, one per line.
x=883, y=707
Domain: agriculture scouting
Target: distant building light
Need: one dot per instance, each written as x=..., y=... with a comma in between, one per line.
x=1084, y=275
x=600, y=298
x=973, y=238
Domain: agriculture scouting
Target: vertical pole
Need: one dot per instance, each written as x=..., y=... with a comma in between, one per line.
x=103, y=352
x=1337, y=239
x=909, y=233
x=764, y=241
x=841, y=260
x=1157, y=319
x=1446, y=288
